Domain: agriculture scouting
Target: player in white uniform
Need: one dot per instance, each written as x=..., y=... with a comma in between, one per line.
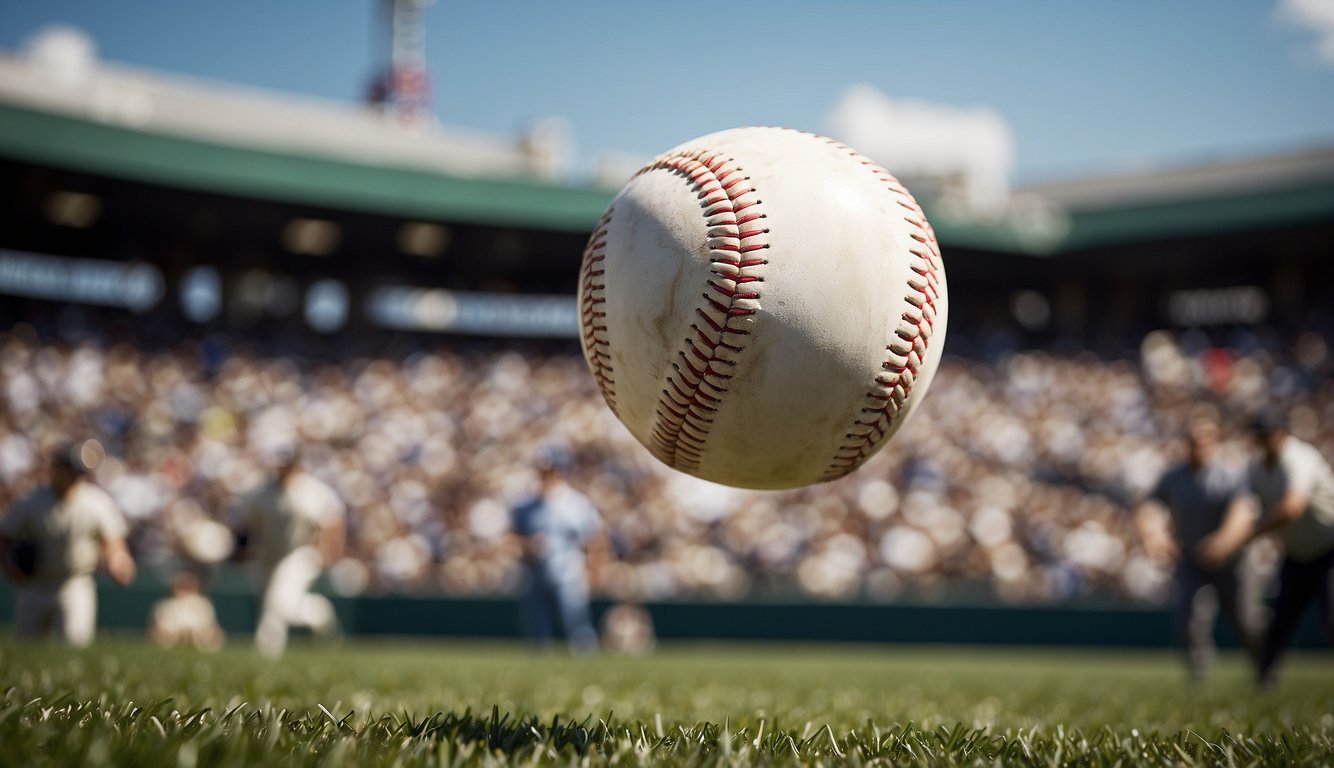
x=296, y=528
x=51, y=542
x=1295, y=487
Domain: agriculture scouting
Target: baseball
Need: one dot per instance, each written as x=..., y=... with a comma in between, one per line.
x=763, y=307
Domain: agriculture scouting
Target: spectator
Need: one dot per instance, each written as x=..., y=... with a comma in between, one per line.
x=185, y=618
x=1013, y=482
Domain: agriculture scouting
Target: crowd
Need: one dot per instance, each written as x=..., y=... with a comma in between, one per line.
x=1013, y=481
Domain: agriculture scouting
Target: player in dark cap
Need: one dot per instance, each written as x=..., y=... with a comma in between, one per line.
x=554, y=526
x=1208, y=511
x=51, y=542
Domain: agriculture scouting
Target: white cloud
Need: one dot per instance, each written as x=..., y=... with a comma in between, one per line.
x=1316, y=15
x=923, y=139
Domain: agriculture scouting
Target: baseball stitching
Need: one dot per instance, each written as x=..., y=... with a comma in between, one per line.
x=592, y=313
x=734, y=234
x=699, y=375
x=892, y=386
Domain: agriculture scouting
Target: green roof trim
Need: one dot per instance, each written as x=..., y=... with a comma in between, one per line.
x=1223, y=214
x=84, y=145
x=80, y=144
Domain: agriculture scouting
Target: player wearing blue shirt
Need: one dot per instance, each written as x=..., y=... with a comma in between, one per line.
x=555, y=526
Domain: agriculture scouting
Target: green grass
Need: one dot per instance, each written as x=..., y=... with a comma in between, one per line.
x=390, y=704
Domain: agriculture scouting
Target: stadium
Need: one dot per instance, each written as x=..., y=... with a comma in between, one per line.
x=197, y=277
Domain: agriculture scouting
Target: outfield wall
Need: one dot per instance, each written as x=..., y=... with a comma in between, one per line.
x=796, y=620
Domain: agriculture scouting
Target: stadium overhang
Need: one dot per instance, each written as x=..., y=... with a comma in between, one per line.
x=86, y=145
x=1163, y=209
x=1216, y=198
x=89, y=146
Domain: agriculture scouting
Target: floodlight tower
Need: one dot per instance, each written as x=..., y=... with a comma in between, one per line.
x=401, y=87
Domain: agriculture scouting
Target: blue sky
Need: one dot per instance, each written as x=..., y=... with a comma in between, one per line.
x=1084, y=87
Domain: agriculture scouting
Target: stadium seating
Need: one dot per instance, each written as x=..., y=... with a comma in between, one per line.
x=1013, y=482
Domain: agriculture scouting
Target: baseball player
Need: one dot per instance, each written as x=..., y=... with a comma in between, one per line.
x=1295, y=487
x=297, y=527
x=1209, y=516
x=51, y=542
x=553, y=527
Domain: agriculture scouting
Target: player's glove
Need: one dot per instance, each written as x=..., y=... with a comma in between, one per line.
x=23, y=554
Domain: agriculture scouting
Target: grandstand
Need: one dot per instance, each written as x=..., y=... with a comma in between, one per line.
x=109, y=163
x=401, y=298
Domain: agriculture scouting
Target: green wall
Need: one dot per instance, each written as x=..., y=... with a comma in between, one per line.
x=128, y=608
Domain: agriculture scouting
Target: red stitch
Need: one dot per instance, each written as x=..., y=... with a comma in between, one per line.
x=710, y=343
x=678, y=414
x=595, y=344
x=671, y=382
x=699, y=372
x=699, y=395
x=715, y=326
x=741, y=264
x=860, y=446
x=681, y=428
x=718, y=305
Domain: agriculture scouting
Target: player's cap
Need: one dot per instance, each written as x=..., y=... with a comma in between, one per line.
x=82, y=457
x=284, y=456
x=553, y=459
x=1269, y=420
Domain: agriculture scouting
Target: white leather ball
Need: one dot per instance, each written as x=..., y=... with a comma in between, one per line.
x=763, y=307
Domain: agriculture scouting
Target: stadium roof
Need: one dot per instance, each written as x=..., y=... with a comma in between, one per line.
x=89, y=146
x=1216, y=197
x=145, y=127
